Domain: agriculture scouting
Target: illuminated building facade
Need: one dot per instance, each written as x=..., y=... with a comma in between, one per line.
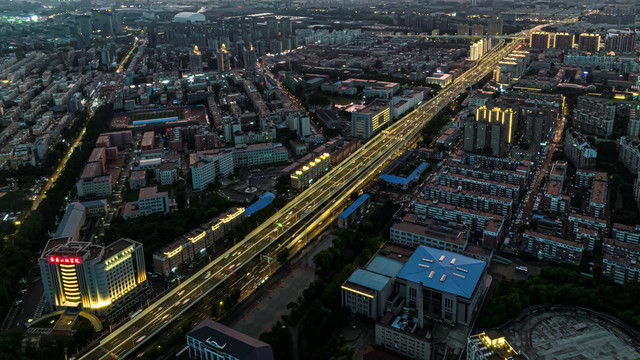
x=540, y=40
x=589, y=42
x=195, y=61
x=195, y=243
x=304, y=176
x=492, y=129
x=224, y=62
x=92, y=277
x=491, y=345
x=369, y=120
x=563, y=41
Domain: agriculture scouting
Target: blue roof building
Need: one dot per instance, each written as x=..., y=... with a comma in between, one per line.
x=349, y=214
x=264, y=200
x=404, y=182
x=443, y=284
x=71, y=223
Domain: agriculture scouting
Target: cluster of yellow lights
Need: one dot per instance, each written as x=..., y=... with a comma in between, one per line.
x=215, y=227
x=501, y=115
x=118, y=259
x=357, y=292
x=195, y=50
x=313, y=163
x=70, y=287
x=497, y=343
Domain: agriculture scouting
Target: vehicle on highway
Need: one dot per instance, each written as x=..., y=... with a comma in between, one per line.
x=135, y=313
x=141, y=338
x=522, y=269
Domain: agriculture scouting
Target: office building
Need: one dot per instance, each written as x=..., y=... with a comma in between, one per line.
x=365, y=292
x=259, y=154
x=492, y=130
x=210, y=340
x=223, y=57
x=195, y=61
x=494, y=27
x=442, y=285
x=552, y=247
x=540, y=40
x=208, y=166
x=594, y=115
x=589, y=42
x=564, y=41
x=367, y=121
x=619, y=41
x=629, y=153
x=401, y=334
x=582, y=154
x=150, y=201
x=491, y=345
x=91, y=277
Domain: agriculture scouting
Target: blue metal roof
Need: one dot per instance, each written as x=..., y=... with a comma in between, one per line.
x=385, y=266
x=369, y=279
x=404, y=180
x=443, y=270
x=356, y=204
x=264, y=200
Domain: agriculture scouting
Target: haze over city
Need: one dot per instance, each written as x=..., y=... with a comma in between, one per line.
x=319, y=179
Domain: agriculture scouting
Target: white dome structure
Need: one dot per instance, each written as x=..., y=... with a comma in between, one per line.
x=185, y=17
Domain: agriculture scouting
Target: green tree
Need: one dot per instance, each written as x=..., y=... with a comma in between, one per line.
x=283, y=256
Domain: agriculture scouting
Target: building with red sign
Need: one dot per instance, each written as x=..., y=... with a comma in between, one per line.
x=91, y=277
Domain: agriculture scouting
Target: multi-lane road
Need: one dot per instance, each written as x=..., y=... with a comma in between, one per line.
x=304, y=215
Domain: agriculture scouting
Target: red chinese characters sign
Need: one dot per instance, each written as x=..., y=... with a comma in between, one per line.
x=59, y=260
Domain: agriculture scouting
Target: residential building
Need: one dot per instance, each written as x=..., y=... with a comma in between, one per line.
x=195, y=61
x=369, y=120
x=494, y=26
x=589, y=42
x=224, y=62
x=491, y=345
x=210, y=340
x=196, y=243
x=564, y=41
x=552, y=247
x=621, y=269
x=554, y=200
x=594, y=115
x=313, y=169
x=92, y=277
x=599, y=197
x=492, y=129
x=540, y=40
x=620, y=41
x=582, y=154
x=633, y=129
x=469, y=199
x=482, y=186
x=629, y=153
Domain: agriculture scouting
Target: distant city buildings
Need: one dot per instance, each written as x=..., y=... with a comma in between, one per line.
x=595, y=115
x=589, y=42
